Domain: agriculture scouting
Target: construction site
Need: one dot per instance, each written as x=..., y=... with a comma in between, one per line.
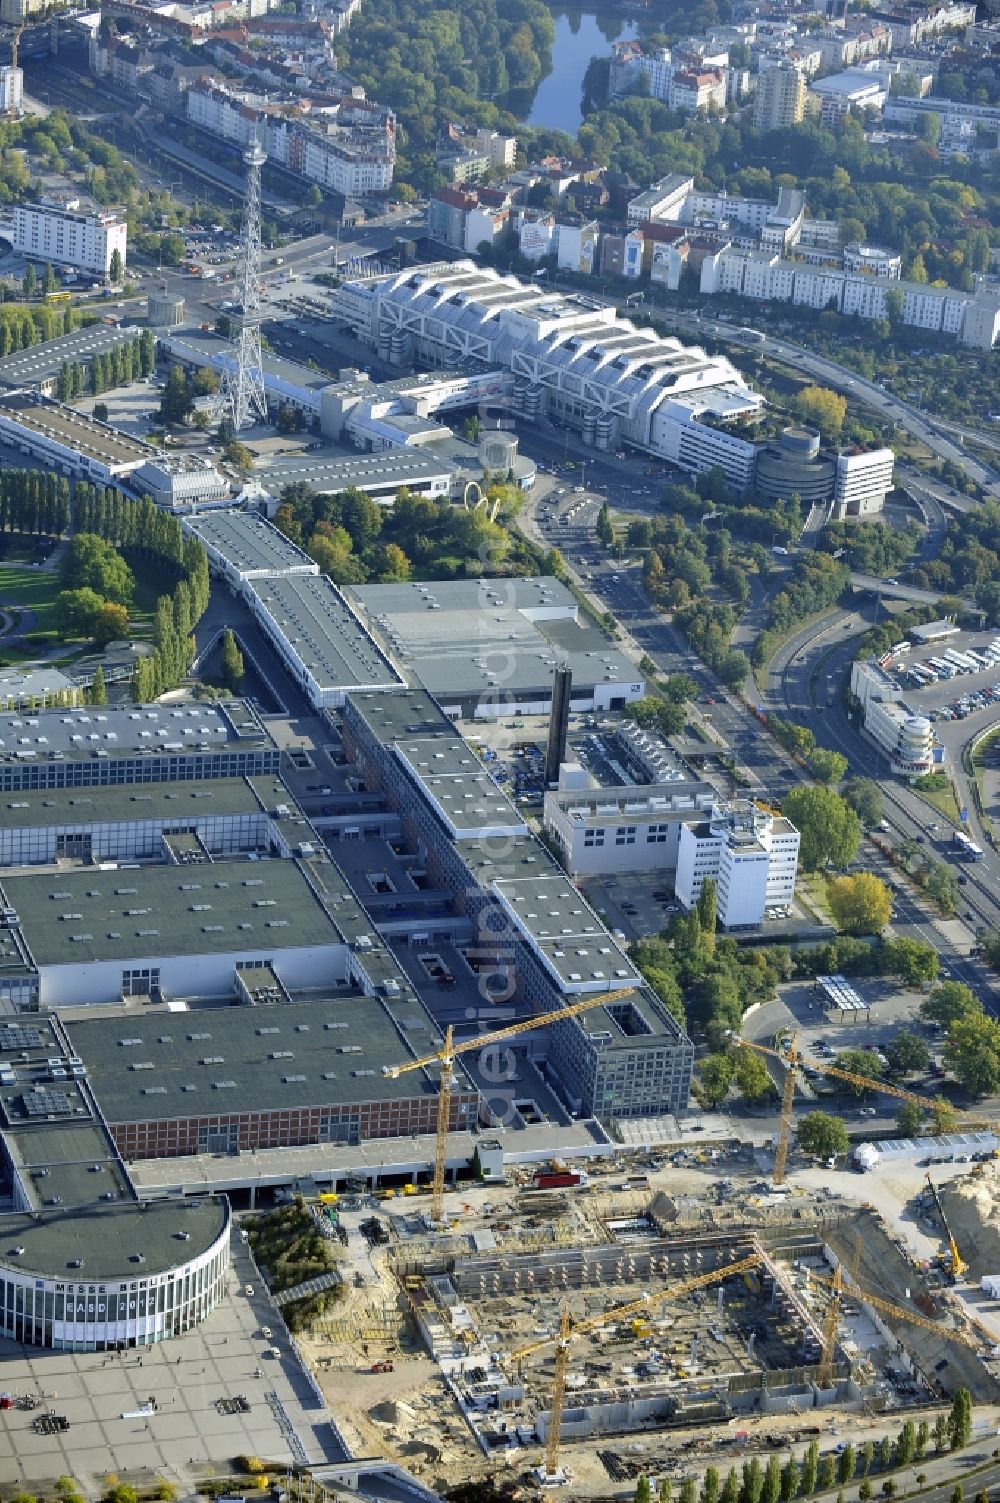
x=584, y=1335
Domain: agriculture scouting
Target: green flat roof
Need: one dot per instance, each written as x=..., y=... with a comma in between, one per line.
x=110, y=1239
x=76, y=917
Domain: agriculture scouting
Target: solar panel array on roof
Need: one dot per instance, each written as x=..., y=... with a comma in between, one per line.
x=43, y=1103
x=14, y=1038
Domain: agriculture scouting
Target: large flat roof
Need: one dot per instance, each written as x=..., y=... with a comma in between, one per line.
x=325, y=634
x=490, y=636
x=114, y=1241
x=463, y=794
x=566, y=932
x=76, y=431
x=76, y=917
x=212, y=1061
x=248, y=543
x=71, y=1164
x=42, y=362
x=124, y=730
x=194, y=799
x=388, y=470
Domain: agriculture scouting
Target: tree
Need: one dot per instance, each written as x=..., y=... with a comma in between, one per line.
x=790, y=1480
x=906, y=1443
x=827, y=766
x=604, y=526
x=92, y=563
x=822, y=408
x=101, y=411
x=730, y=1488
x=972, y=1054
x=177, y=397
x=98, y=693
x=907, y=1053
x=940, y=1433
x=885, y=1453
x=949, y=1003
x=29, y=281
x=846, y=1464
x=715, y=1075
x=689, y=1491
x=710, y=1486
x=771, y=1490
x=944, y=1118
x=860, y=1062
x=643, y=1493
x=116, y=269
x=865, y=798
x=753, y=1481
x=810, y=1468
x=827, y=1475
x=205, y=382
x=822, y=1136
x=290, y=419
x=910, y=1120
x=912, y=960
x=706, y=905
x=941, y=884
x=239, y=456
x=232, y=661
x=829, y=829
x=860, y=904
x=666, y=1492
x=867, y=1457
x=753, y=1079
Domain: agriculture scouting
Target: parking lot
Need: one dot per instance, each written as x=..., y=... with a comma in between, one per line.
x=950, y=679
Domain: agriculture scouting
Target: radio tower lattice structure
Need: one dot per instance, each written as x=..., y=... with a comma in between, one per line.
x=242, y=389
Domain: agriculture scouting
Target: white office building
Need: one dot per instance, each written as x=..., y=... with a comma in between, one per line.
x=749, y=853
x=906, y=739
x=48, y=232
x=862, y=483
x=597, y=831
x=11, y=90
x=574, y=361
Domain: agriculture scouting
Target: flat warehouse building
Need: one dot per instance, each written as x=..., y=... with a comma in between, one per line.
x=116, y=745
x=485, y=648
x=92, y=936
x=319, y=638
x=629, y=1059
x=246, y=1078
x=224, y=815
x=242, y=547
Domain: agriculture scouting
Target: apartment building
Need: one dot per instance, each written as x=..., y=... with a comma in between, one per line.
x=972, y=317
x=62, y=234
x=780, y=98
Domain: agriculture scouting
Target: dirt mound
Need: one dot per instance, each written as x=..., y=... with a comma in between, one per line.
x=972, y=1206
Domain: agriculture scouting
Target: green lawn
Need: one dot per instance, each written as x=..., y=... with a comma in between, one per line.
x=24, y=589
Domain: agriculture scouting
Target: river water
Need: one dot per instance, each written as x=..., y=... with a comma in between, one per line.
x=580, y=35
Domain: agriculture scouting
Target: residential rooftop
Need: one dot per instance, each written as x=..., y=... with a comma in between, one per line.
x=88, y=916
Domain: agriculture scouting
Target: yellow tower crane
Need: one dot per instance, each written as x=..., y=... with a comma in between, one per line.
x=949, y=1333
x=830, y=1327
x=445, y=1057
x=794, y=1060
x=568, y=1333
x=958, y=1263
